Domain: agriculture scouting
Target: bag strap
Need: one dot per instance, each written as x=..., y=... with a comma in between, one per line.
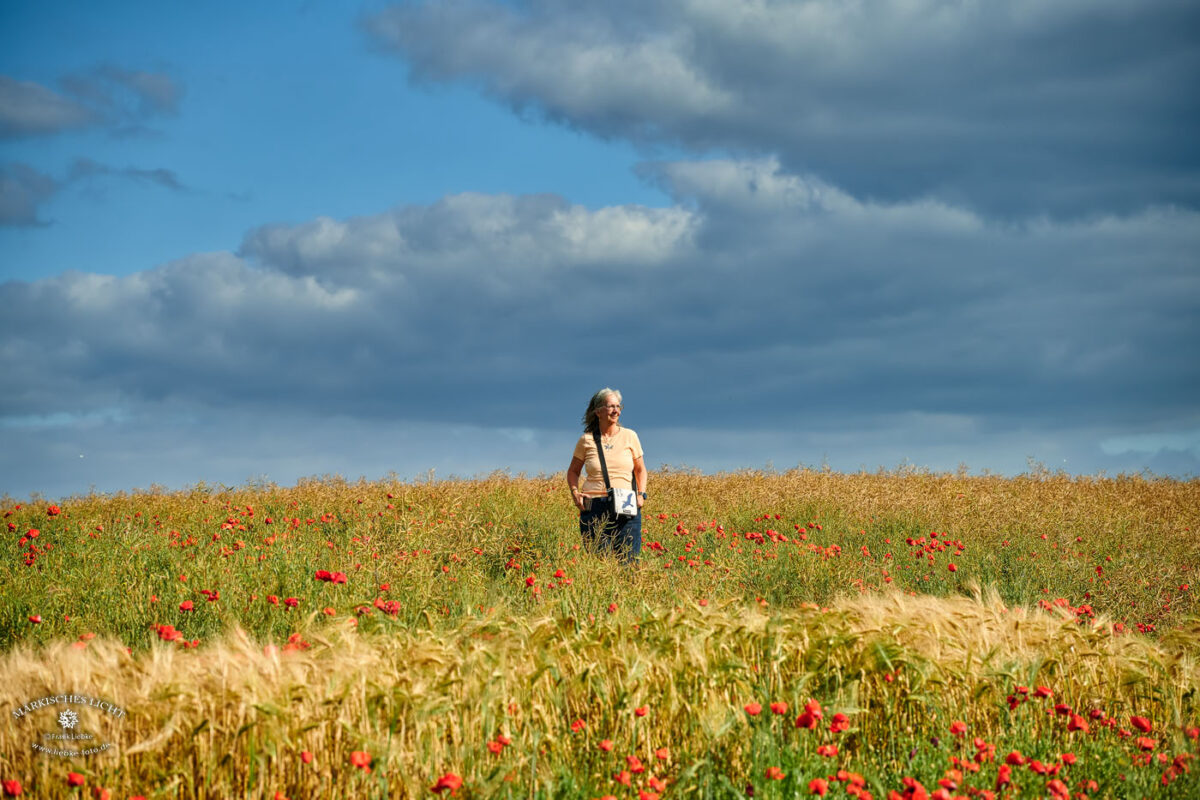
x=600, y=452
x=604, y=464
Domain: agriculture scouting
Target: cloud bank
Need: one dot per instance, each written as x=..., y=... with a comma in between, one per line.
x=1014, y=109
x=762, y=302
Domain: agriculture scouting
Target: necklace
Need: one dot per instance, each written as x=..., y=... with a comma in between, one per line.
x=606, y=439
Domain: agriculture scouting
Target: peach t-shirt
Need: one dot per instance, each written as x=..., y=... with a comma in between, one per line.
x=619, y=454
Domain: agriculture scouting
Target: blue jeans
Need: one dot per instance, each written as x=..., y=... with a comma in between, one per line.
x=604, y=533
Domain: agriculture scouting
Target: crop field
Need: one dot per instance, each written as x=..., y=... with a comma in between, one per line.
x=796, y=634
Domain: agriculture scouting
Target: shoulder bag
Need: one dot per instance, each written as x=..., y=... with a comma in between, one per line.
x=622, y=502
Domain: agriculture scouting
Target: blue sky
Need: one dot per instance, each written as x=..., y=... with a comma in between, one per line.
x=274, y=240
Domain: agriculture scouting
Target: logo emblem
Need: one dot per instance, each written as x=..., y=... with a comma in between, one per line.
x=68, y=719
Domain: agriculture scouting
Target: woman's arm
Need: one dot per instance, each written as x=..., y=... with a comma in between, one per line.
x=640, y=475
x=573, y=472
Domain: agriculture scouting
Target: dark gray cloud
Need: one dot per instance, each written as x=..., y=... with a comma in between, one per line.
x=85, y=168
x=763, y=302
x=1014, y=109
x=22, y=190
x=30, y=109
x=123, y=101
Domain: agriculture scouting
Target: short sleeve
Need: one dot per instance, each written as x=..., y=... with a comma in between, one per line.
x=581, y=448
x=636, y=446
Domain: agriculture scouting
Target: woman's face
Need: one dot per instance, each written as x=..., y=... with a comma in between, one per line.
x=609, y=411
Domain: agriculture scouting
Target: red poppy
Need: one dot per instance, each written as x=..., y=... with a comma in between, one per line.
x=779, y=707
x=362, y=759
x=291, y=602
x=818, y=786
x=101, y=794
x=1141, y=723
x=641, y=711
x=635, y=764
x=448, y=781
x=753, y=709
x=36, y=619
x=53, y=511
x=839, y=723
x=606, y=745
x=74, y=778
x=624, y=778
x=775, y=773
x=662, y=754
x=186, y=605
x=12, y=789
x=578, y=725
x=306, y=756
x=958, y=727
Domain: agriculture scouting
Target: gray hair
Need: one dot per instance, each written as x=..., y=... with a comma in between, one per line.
x=598, y=400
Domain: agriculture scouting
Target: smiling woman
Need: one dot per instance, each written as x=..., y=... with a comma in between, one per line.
x=610, y=519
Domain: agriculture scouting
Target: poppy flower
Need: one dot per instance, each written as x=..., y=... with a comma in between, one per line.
x=775, y=773
x=306, y=756
x=612, y=608
x=818, y=786
x=641, y=711
x=606, y=745
x=448, y=781
x=53, y=511
x=656, y=784
x=361, y=759
x=74, y=778
x=662, y=754
x=779, y=707
x=291, y=602
x=273, y=599
x=839, y=723
x=958, y=727
x=102, y=794
x=186, y=605
x=753, y=709
x=827, y=750
x=12, y=789
x=578, y=725
x=624, y=778
x=36, y=619
x=1141, y=723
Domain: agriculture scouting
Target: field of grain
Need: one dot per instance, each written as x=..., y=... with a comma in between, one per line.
x=788, y=634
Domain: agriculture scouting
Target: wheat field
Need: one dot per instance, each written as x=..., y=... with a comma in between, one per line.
x=899, y=634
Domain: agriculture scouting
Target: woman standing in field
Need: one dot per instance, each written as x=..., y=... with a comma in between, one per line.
x=602, y=527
